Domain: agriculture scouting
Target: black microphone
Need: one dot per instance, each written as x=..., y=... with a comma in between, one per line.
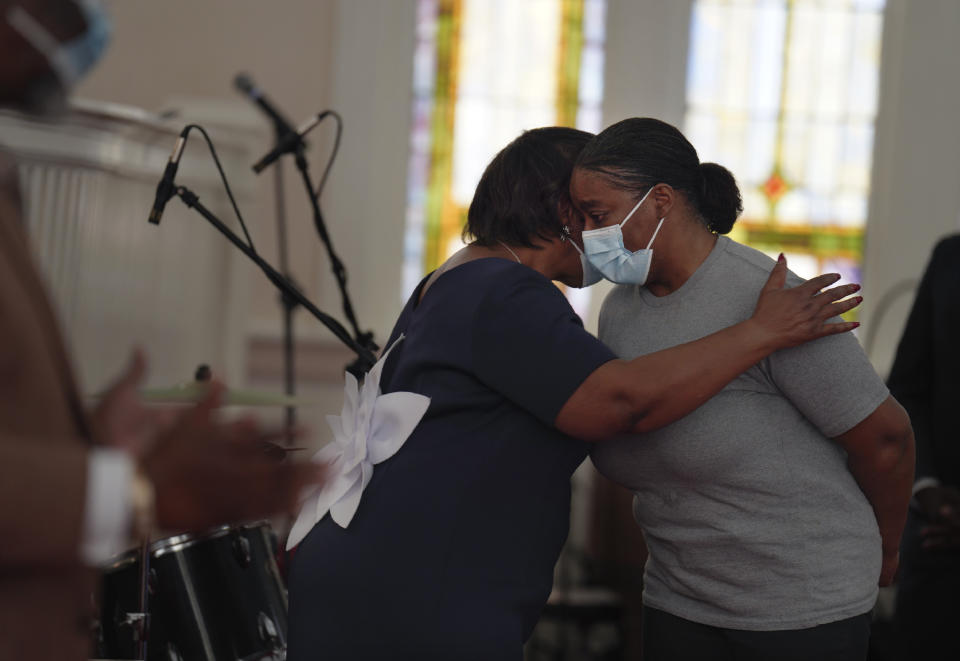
x=165, y=187
x=244, y=83
x=289, y=142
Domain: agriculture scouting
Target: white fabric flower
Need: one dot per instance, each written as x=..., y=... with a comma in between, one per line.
x=370, y=429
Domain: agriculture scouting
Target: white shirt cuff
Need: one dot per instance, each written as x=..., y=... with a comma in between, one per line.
x=107, y=510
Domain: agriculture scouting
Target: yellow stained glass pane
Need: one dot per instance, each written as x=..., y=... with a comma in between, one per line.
x=471, y=98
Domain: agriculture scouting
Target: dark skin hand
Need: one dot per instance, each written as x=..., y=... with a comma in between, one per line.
x=123, y=420
x=204, y=471
x=940, y=507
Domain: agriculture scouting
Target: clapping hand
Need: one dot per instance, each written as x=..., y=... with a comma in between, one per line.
x=123, y=420
x=204, y=471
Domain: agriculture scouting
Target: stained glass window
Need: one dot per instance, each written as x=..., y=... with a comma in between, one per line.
x=784, y=94
x=484, y=71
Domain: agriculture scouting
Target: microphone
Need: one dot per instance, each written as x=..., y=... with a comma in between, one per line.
x=245, y=84
x=165, y=187
x=289, y=142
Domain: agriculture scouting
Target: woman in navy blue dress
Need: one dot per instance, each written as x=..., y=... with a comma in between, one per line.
x=450, y=554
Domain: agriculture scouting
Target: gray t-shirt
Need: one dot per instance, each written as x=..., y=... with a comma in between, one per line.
x=750, y=515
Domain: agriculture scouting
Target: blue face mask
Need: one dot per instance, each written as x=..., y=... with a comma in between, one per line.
x=70, y=60
x=591, y=276
x=605, y=250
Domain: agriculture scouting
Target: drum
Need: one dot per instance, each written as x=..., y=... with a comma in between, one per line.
x=211, y=597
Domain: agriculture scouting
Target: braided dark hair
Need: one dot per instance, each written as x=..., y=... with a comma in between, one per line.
x=640, y=152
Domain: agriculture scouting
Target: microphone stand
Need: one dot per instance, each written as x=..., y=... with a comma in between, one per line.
x=365, y=357
x=286, y=302
x=363, y=338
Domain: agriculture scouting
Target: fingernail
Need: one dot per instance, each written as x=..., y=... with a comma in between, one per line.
x=856, y=324
x=780, y=258
x=859, y=299
x=856, y=288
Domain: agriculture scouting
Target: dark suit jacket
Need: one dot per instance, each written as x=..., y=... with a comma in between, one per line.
x=45, y=591
x=925, y=376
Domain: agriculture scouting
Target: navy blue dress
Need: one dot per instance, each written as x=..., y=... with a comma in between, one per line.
x=451, y=552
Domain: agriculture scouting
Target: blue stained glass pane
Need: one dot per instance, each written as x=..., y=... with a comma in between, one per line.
x=865, y=65
x=848, y=269
x=594, y=20
x=703, y=68
x=590, y=119
x=591, y=76
x=767, y=48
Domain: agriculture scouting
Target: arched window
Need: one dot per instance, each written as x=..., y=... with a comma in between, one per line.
x=484, y=71
x=784, y=93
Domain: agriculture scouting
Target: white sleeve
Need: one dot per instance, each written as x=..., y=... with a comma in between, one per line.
x=107, y=511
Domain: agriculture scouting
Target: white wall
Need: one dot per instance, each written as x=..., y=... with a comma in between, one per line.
x=915, y=196
x=372, y=87
x=182, y=53
x=644, y=74
x=355, y=57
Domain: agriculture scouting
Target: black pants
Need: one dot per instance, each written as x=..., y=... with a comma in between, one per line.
x=670, y=638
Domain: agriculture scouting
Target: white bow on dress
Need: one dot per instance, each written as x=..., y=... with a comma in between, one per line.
x=370, y=429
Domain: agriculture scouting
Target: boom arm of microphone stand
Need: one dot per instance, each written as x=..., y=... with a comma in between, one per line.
x=365, y=357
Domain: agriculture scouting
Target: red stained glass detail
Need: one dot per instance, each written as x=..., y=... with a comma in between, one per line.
x=775, y=187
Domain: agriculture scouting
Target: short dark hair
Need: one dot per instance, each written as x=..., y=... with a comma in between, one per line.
x=637, y=153
x=525, y=187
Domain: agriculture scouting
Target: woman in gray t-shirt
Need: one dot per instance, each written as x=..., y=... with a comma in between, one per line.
x=772, y=512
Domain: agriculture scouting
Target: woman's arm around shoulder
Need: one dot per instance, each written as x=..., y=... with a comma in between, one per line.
x=654, y=390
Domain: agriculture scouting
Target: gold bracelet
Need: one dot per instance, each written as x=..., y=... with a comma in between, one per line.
x=143, y=500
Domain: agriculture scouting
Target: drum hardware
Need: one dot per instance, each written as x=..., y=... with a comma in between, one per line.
x=140, y=621
x=267, y=630
x=206, y=597
x=173, y=654
x=137, y=623
x=241, y=550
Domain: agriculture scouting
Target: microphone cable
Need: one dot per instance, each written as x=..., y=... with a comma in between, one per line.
x=223, y=178
x=333, y=153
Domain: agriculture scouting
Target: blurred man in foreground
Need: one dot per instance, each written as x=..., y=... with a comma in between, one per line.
x=76, y=486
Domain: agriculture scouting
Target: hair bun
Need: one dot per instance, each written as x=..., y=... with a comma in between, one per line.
x=720, y=201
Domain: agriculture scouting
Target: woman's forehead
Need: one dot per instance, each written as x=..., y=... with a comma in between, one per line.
x=589, y=188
